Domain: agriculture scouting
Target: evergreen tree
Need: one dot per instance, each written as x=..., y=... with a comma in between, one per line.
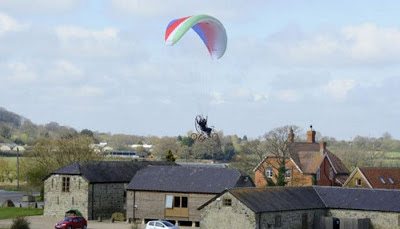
x=169, y=156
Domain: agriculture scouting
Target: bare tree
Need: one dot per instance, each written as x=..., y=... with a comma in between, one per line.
x=277, y=143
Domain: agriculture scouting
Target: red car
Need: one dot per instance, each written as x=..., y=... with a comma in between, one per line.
x=72, y=222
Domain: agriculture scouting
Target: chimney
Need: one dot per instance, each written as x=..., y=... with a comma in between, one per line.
x=322, y=147
x=291, y=135
x=311, y=135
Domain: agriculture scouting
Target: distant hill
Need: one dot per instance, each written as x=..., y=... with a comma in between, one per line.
x=20, y=130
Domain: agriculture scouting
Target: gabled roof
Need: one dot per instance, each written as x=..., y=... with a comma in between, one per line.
x=308, y=157
x=359, y=198
x=107, y=171
x=188, y=179
x=379, y=177
x=276, y=199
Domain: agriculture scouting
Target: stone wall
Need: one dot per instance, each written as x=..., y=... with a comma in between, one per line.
x=105, y=199
x=290, y=219
x=379, y=220
x=151, y=205
x=57, y=202
x=215, y=215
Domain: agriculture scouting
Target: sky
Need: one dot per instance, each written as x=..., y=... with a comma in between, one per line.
x=104, y=66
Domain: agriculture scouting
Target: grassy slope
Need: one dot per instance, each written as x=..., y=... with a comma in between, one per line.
x=8, y=213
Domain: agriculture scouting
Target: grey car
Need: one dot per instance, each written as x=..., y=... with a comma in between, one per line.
x=160, y=225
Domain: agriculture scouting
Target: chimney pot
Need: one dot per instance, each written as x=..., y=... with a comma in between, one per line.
x=311, y=135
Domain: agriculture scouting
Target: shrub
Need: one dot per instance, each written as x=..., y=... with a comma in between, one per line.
x=20, y=223
x=118, y=216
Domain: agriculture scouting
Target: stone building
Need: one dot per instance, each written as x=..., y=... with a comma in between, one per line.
x=175, y=193
x=96, y=189
x=386, y=178
x=302, y=207
x=307, y=163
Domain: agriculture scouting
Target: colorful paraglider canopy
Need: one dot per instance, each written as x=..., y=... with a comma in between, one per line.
x=210, y=30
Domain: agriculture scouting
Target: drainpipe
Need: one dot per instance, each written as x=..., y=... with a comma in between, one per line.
x=134, y=205
x=92, y=201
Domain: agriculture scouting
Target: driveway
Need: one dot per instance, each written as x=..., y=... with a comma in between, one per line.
x=41, y=222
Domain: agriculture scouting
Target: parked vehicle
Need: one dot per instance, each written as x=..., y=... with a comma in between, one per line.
x=72, y=222
x=160, y=225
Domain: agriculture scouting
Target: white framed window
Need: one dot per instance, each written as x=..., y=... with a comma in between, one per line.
x=358, y=182
x=318, y=174
x=168, y=201
x=269, y=172
x=288, y=173
x=330, y=174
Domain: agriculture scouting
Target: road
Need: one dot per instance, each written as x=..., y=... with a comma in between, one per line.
x=16, y=197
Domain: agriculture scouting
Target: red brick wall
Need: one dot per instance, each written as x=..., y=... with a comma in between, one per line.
x=297, y=178
x=324, y=171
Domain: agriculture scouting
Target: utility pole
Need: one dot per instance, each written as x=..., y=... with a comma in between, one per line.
x=17, y=167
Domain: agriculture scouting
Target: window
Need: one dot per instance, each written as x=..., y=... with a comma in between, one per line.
x=278, y=221
x=330, y=174
x=318, y=175
x=227, y=202
x=391, y=180
x=304, y=221
x=269, y=173
x=52, y=183
x=65, y=187
x=179, y=202
x=382, y=180
x=184, y=202
x=358, y=182
x=168, y=201
x=288, y=173
x=151, y=224
x=73, y=201
x=159, y=225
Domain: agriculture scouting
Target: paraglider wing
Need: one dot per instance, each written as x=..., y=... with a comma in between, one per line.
x=209, y=29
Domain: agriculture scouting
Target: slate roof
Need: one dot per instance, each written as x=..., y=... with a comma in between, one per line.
x=316, y=197
x=107, y=171
x=188, y=179
x=360, y=198
x=374, y=176
x=278, y=198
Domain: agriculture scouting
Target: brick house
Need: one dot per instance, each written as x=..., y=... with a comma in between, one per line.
x=302, y=207
x=385, y=178
x=175, y=193
x=307, y=163
x=94, y=188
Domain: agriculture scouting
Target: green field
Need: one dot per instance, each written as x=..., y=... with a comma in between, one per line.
x=392, y=154
x=10, y=159
x=8, y=213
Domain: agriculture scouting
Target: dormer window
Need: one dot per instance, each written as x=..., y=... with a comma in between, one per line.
x=330, y=174
x=318, y=174
x=269, y=172
x=358, y=182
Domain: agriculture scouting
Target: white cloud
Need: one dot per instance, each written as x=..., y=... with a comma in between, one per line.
x=38, y=6
x=79, y=42
x=288, y=95
x=9, y=24
x=89, y=91
x=64, y=71
x=339, y=89
x=21, y=73
x=352, y=45
x=217, y=98
x=153, y=8
x=68, y=33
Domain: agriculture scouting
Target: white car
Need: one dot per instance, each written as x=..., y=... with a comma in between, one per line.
x=160, y=225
